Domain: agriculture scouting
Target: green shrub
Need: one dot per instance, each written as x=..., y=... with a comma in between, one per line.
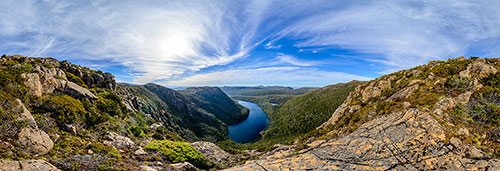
x=65, y=109
x=177, y=152
x=73, y=78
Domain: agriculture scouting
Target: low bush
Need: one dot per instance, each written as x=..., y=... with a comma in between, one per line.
x=178, y=152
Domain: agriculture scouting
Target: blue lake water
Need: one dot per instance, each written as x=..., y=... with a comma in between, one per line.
x=248, y=130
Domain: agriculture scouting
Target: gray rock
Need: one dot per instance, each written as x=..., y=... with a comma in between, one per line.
x=140, y=151
x=146, y=168
x=26, y=165
x=463, y=132
x=77, y=91
x=34, y=141
x=118, y=141
x=155, y=126
x=213, y=153
x=474, y=153
x=186, y=166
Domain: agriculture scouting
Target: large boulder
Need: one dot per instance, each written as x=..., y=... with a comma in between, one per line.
x=78, y=91
x=26, y=165
x=34, y=141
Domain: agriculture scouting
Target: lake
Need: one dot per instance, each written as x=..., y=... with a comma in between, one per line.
x=248, y=130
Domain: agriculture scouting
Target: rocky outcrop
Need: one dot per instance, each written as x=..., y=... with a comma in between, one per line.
x=214, y=154
x=406, y=140
x=90, y=78
x=26, y=165
x=118, y=141
x=47, y=80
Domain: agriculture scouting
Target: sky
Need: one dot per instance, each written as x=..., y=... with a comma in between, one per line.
x=243, y=42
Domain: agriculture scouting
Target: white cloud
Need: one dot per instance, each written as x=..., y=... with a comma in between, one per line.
x=162, y=40
x=291, y=76
x=294, y=61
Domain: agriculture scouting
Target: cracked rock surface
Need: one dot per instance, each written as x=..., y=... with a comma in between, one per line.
x=404, y=140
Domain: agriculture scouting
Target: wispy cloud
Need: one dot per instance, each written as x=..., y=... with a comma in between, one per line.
x=294, y=61
x=162, y=40
x=292, y=76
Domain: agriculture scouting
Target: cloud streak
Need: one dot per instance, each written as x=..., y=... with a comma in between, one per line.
x=176, y=41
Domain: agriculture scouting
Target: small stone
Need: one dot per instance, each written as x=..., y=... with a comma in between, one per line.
x=463, y=132
x=90, y=152
x=140, y=151
x=156, y=126
x=70, y=128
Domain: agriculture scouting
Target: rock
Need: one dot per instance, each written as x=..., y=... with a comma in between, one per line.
x=474, y=153
x=118, y=141
x=457, y=144
x=140, y=151
x=384, y=84
x=371, y=92
x=26, y=165
x=404, y=93
x=155, y=126
x=24, y=113
x=186, y=166
x=213, y=153
x=442, y=105
x=146, y=168
x=482, y=69
x=463, y=98
x=406, y=105
x=415, y=82
x=34, y=141
x=77, y=91
x=463, y=132
x=90, y=152
x=409, y=136
x=33, y=83
x=70, y=128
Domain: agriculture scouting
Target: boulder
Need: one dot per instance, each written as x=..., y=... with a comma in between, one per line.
x=371, y=92
x=404, y=93
x=481, y=69
x=77, y=91
x=26, y=165
x=33, y=83
x=118, y=141
x=34, y=141
x=186, y=166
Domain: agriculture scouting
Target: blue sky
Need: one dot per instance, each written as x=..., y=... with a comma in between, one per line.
x=243, y=42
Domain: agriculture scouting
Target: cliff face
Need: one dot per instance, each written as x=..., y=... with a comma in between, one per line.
x=443, y=115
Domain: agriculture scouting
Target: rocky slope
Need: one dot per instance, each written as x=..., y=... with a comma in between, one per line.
x=443, y=115
x=56, y=115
